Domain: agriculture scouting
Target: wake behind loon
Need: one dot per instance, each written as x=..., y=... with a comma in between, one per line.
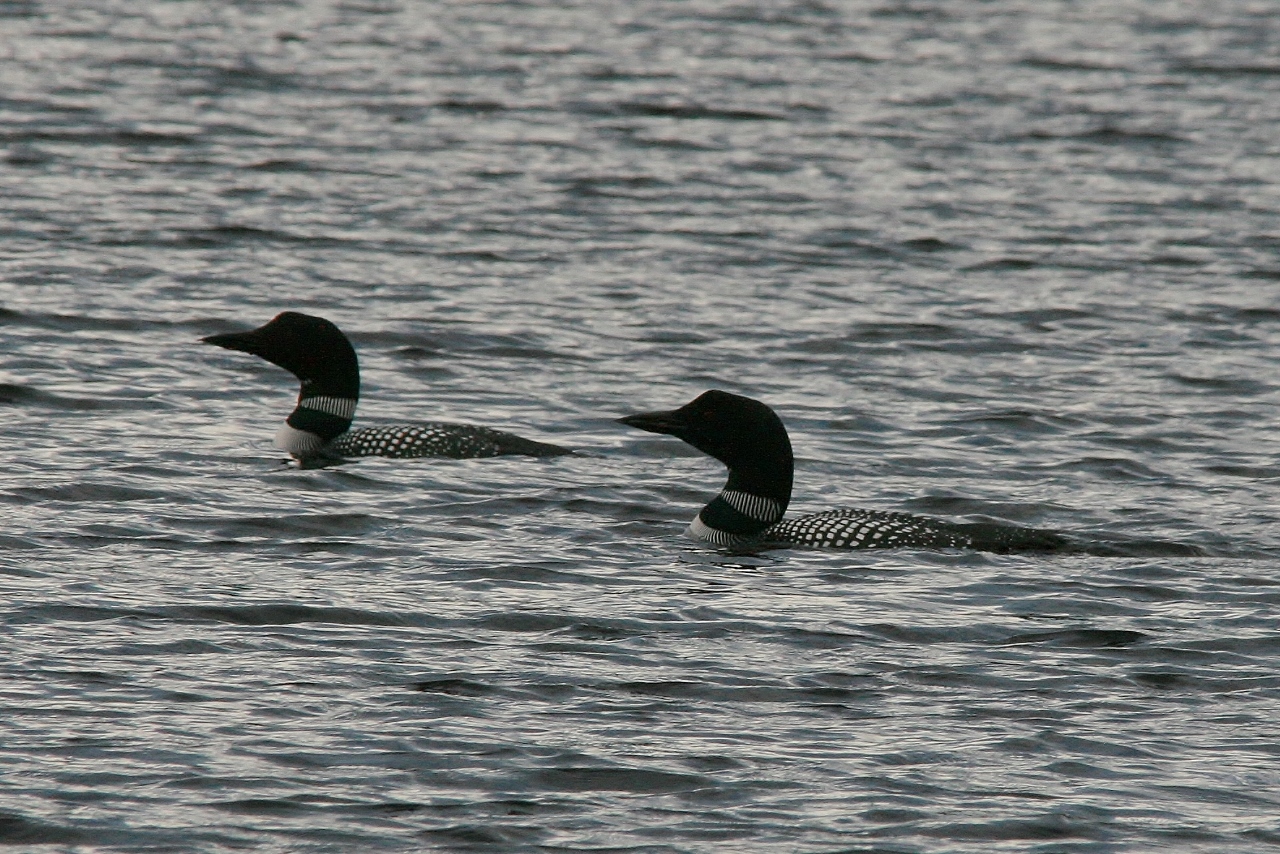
x=749, y=438
x=318, y=430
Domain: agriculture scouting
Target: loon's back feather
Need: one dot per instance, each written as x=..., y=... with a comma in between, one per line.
x=437, y=439
x=878, y=529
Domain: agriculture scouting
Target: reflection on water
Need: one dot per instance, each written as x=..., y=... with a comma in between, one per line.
x=1008, y=262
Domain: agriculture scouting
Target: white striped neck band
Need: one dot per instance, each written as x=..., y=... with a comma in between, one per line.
x=339, y=407
x=754, y=506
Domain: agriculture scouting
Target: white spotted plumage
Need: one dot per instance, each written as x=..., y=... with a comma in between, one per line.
x=418, y=440
x=867, y=529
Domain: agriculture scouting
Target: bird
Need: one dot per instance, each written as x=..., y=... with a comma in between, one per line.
x=751, y=440
x=318, y=431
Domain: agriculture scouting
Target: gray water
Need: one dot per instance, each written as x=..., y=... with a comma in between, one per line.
x=1009, y=260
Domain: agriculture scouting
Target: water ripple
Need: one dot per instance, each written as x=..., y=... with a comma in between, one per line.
x=1004, y=263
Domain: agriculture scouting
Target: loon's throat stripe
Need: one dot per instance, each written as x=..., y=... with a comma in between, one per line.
x=339, y=407
x=299, y=443
x=756, y=506
x=700, y=530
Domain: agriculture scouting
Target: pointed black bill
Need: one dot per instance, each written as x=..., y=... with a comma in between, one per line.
x=668, y=422
x=245, y=342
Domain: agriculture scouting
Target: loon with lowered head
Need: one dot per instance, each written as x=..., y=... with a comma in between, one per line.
x=749, y=438
x=318, y=431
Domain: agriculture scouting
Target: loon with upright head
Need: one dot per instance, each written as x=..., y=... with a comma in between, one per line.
x=318, y=430
x=749, y=438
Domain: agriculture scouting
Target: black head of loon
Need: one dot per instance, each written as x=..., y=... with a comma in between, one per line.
x=749, y=438
x=311, y=348
x=318, y=430
x=320, y=356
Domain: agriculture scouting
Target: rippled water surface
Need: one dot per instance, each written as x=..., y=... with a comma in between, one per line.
x=1008, y=260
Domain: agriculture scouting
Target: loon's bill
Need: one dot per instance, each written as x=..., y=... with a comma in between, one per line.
x=751, y=440
x=319, y=429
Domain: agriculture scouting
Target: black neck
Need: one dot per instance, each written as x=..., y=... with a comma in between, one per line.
x=751, y=501
x=341, y=380
x=771, y=479
x=325, y=425
x=327, y=404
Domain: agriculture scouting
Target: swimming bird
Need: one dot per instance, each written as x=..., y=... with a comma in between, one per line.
x=749, y=437
x=319, y=429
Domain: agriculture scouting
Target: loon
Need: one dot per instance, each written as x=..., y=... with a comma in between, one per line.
x=318, y=430
x=749, y=438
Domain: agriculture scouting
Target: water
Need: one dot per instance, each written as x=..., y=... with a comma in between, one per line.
x=1001, y=260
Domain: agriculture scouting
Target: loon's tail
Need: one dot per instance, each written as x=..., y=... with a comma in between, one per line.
x=509, y=443
x=1006, y=539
